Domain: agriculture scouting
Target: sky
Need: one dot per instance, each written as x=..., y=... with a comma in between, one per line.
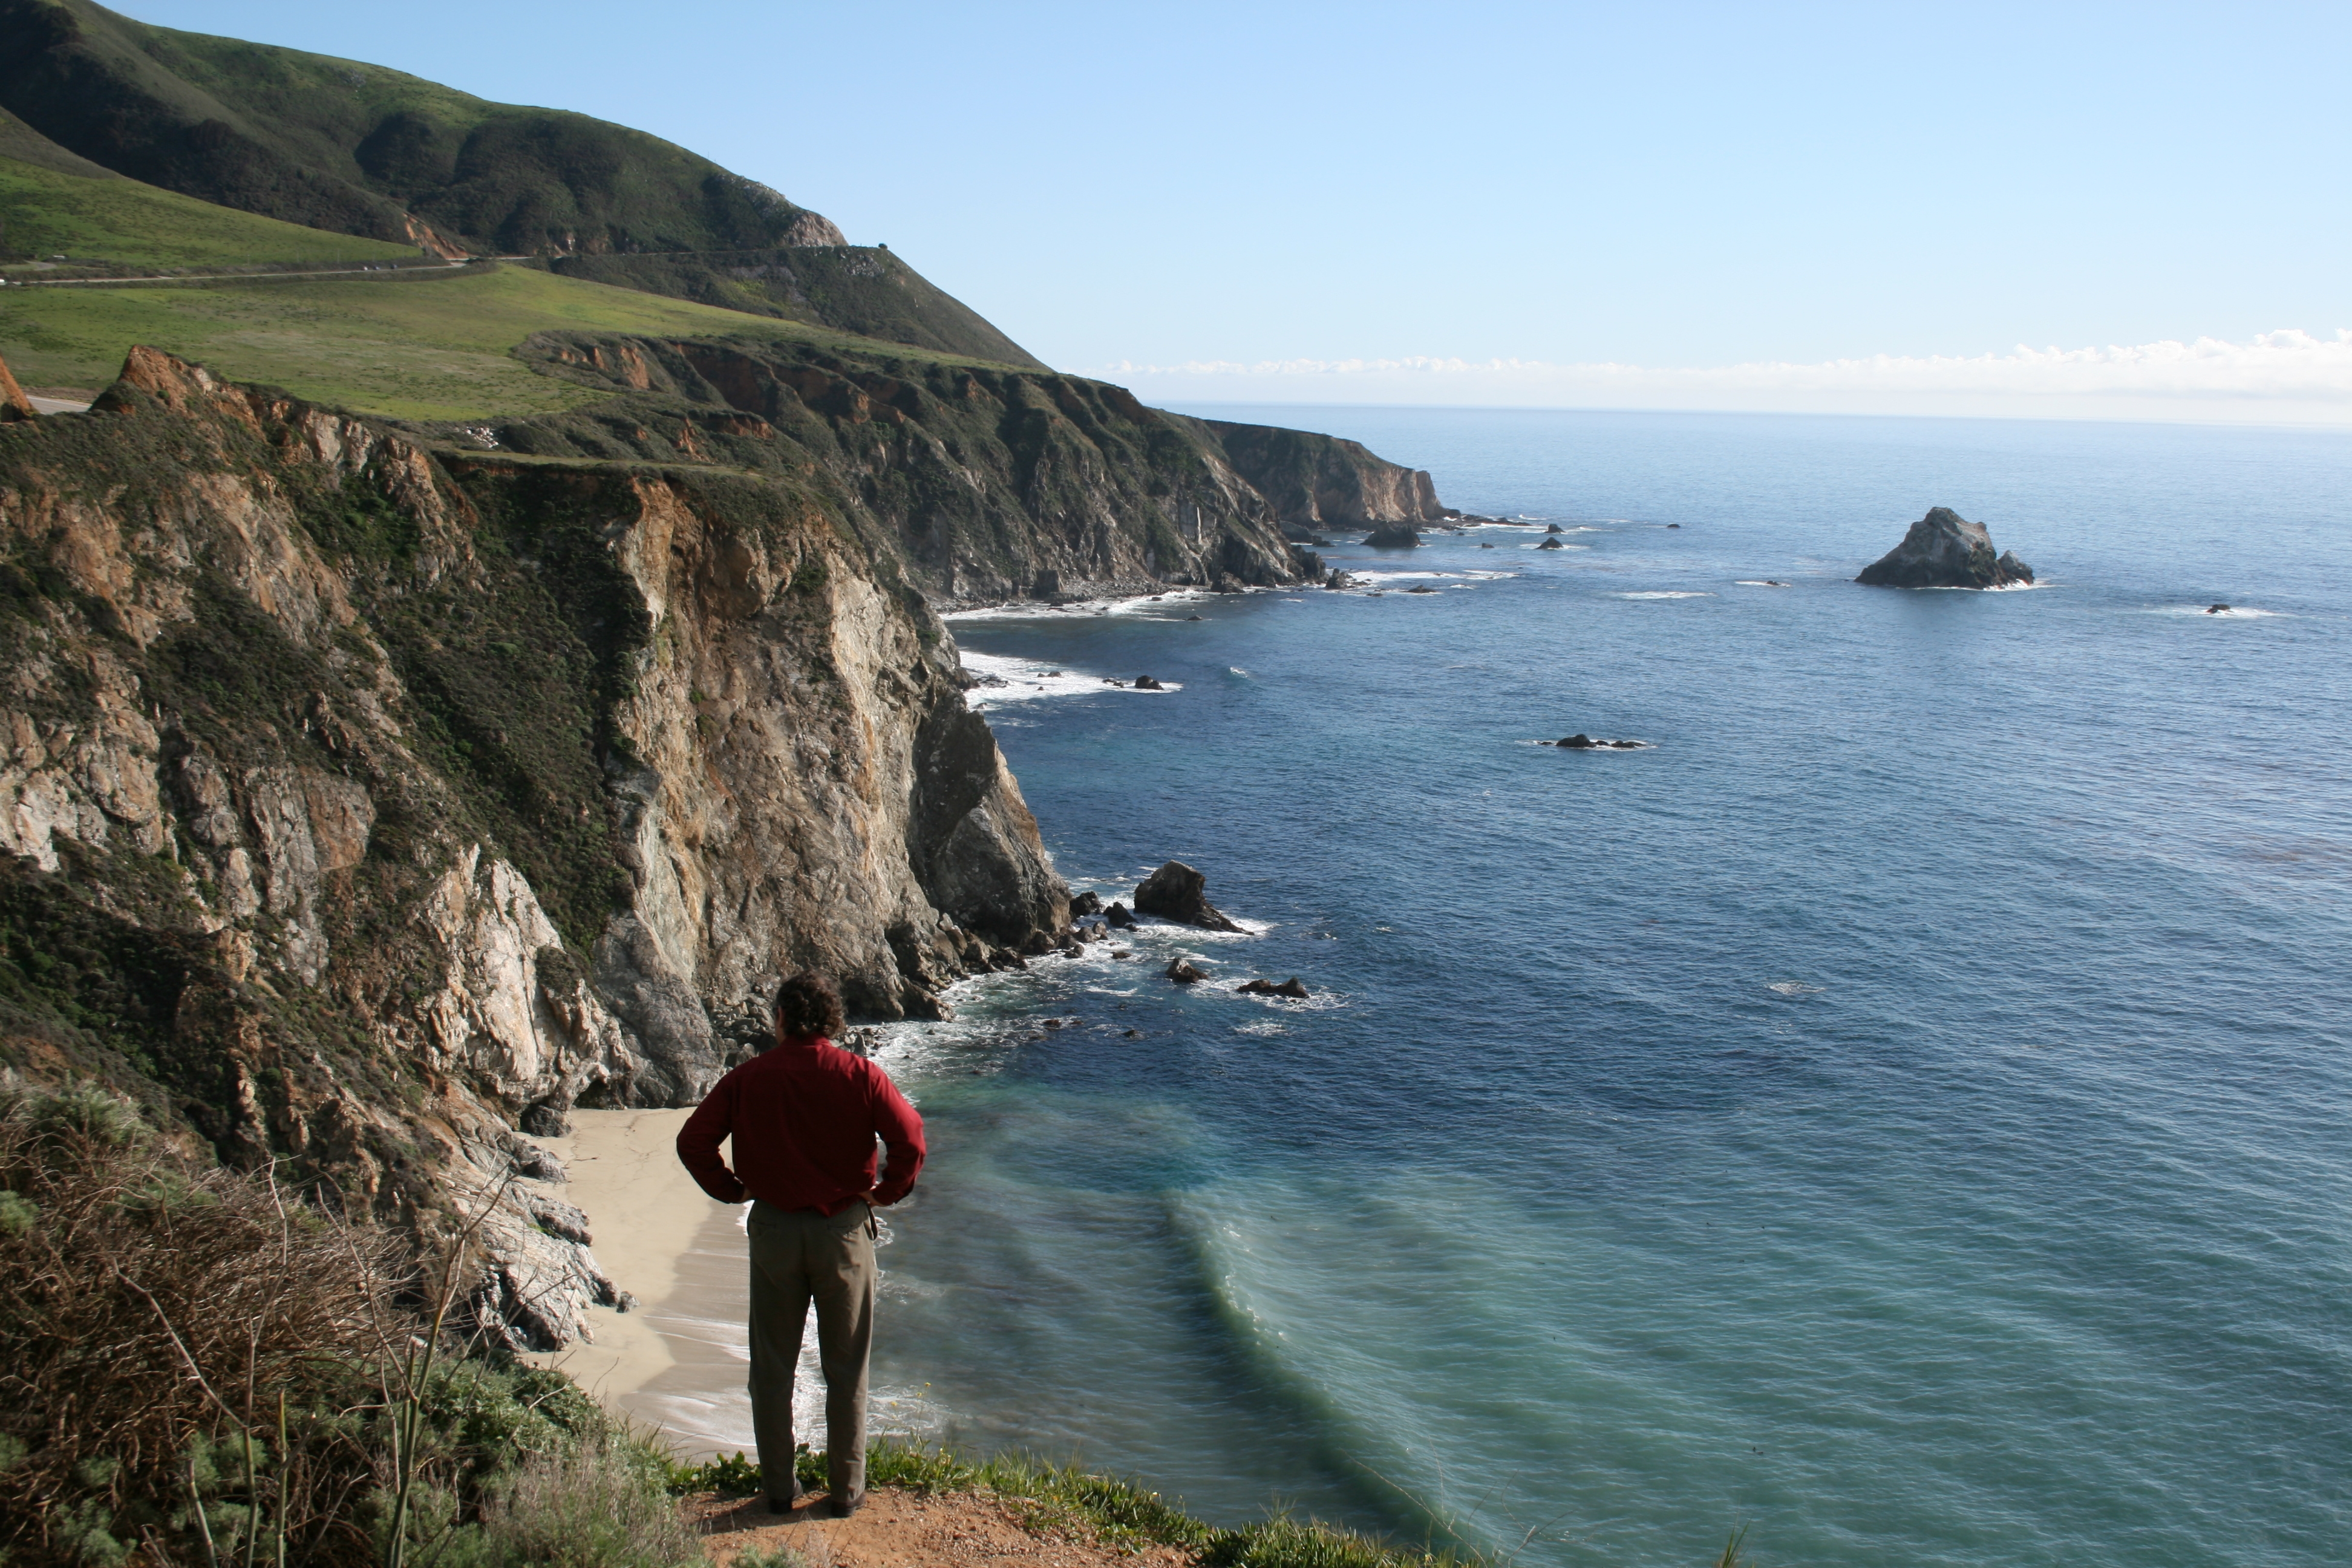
x=2070, y=210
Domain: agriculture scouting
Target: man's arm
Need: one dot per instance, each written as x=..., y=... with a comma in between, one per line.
x=902, y=1141
x=698, y=1141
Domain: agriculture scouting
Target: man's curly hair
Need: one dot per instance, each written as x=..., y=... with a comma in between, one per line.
x=808, y=1004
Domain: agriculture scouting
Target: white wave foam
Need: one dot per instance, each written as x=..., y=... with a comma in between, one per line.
x=1005, y=679
x=1142, y=604
x=1794, y=988
x=1762, y=582
x=2232, y=612
x=1666, y=593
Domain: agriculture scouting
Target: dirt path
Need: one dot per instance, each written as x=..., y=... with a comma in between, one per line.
x=908, y=1530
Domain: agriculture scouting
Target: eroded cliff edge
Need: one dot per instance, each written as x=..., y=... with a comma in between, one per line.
x=363, y=807
x=374, y=794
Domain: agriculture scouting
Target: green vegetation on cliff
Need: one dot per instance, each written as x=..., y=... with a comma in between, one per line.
x=47, y=212
x=199, y=1367
x=338, y=145
x=428, y=345
x=331, y=146
x=853, y=288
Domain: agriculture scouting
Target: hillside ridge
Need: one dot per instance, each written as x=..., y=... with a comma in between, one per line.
x=346, y=147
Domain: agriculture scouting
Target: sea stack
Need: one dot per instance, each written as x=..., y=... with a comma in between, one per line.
x=1945, y=549
x=1177, y=892
x=1393, y=536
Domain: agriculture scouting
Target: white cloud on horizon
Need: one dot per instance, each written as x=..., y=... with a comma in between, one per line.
x=2288, y=377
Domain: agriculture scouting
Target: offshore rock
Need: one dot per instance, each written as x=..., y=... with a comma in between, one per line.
x=1944, y=550
x=1291, y=988
x=1182, y=972
x=1399, y=536
x=1177, y=892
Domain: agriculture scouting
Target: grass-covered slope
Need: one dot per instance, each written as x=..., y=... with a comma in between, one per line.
x=435, y=346
x=45, y=211
x=336, y=145
x=856, y=289
x=339, y=144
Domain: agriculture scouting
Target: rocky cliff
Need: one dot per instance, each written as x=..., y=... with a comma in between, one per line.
x=1323, y=481
x=365, y=805
x=373, y=794
x=982, y=482
x=1945, y=549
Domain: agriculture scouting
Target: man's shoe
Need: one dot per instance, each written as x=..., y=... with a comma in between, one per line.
x=841, y=1507
x=781, y=1505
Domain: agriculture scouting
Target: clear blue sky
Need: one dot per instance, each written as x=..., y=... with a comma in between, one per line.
x=1668, y=185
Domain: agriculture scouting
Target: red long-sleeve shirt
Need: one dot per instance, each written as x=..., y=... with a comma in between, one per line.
x=804, y=1114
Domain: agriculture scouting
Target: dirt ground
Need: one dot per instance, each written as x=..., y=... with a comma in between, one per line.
x=908, y=1530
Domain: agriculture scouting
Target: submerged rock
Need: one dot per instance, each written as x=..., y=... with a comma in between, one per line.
x=1945, y=549
x=1177, y=892
x=2219, y=610
x=1551, y=544
x=1578, y=742
x=1145, y=683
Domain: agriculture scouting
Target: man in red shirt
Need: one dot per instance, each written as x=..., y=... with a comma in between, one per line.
x=804, y=1115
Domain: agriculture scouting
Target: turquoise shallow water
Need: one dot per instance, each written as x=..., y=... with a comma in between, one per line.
x=1903, y=1111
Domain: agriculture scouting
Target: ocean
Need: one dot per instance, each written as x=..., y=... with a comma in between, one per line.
x=1901, y=1110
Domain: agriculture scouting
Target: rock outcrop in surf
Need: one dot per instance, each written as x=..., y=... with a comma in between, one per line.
x=1177, y=892
x=1945, y=549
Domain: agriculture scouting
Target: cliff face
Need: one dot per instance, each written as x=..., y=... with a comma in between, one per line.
x=373, y=794
x=367, y=805
x=1315, y=480
x=983, y=483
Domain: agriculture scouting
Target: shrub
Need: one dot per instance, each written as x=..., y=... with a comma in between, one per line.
x=593, y=1504
x=195, y=1364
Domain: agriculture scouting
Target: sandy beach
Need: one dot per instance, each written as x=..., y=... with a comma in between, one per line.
x=679, y=1359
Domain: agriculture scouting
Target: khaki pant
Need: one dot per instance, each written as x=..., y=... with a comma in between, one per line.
x=799, y=1256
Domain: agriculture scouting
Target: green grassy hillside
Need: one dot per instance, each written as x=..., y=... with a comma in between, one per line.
x=853, y=289
x=339, y=144
x=336, y=145
x=431, y=346
x=44, y=212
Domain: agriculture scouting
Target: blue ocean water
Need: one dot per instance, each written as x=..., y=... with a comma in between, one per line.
x=1903, y=1110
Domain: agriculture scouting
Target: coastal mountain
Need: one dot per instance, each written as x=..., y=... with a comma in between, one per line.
x=355, y=149
x=343, y=146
